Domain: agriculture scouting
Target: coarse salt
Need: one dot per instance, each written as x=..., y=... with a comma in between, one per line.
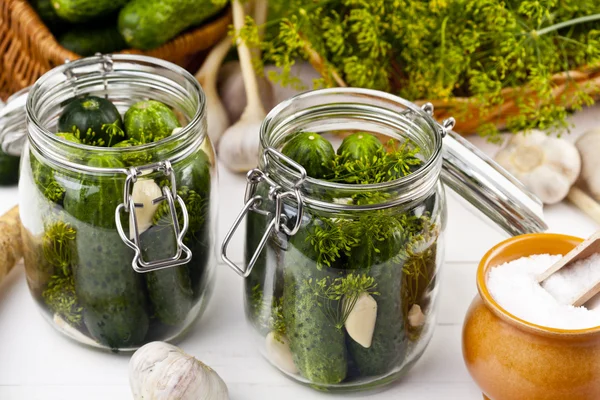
x=515, y=288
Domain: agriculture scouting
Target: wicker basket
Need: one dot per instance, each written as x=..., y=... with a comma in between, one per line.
x=466, y=109
x=28, y=49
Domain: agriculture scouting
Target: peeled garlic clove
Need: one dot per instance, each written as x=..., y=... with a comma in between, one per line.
x=143, y=192
x=416, y=318
x=66, y=328
x=360, y=323
x=160, y=371
x=278, y=351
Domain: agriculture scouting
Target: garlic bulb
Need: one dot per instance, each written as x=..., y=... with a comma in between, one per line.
x=239, y=144
x=160, y=371
x=143, y=192
x=588, y=145
x=278, y=351
x=546, y=165
x=216, y=114
x=360, y=323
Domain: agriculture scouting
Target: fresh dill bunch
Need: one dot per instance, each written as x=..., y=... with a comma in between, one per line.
x=113, y=130
x=339, y=296
x=61, y=298
x=441, y=50
x=397, y=161
x=57, y=246
x=197, y=209
x=331, y=239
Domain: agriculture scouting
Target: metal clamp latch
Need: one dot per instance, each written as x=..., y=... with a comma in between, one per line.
x=278, y=218
x=169, y=195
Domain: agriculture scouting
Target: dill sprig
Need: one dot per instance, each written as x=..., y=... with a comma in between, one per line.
x=385, y=165
x=57, y=246
x=61, y=298
x=338, y=296
x=197, y=209
x=442, y=50
x=332, y=238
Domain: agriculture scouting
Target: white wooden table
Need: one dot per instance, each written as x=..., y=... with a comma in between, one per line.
x=37, y=363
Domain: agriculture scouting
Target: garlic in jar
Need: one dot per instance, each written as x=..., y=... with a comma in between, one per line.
x=160, y=371
x=278, y=351
x=143, y=192
x=360, y=323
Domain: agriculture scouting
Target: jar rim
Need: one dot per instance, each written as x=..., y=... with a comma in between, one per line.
x=106, y=63
x=430, y=168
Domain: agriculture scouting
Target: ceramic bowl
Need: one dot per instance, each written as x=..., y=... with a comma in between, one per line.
x=512, y=359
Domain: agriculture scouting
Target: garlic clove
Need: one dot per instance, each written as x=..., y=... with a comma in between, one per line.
x=239, y=146
x=66, y=328
x=416, y=318
x=360, y=323
x=160, y=371
x=143, y=192
x=547, y=184
x=278, y=351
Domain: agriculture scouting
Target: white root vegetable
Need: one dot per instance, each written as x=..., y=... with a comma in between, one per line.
x=416, y=318
x=143, y=192
x=160, y=371
x=589, y=146
x=239, y=144
x=234, y=99
x=11, y=245
x=217, y=118
x=546, y=165
x=278, y=351
x=360, y=323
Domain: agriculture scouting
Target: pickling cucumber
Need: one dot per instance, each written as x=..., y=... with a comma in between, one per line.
x=389, y=344
x=149, y=121
x=312, y=151
x=169, y=289
x=85, y=10
x=146, y=24
x=109, y=290
x=359, y=145
x=87, y=41
x=9, y=169
x=317, y=345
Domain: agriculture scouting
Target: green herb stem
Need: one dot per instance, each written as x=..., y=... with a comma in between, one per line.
x=575, y=21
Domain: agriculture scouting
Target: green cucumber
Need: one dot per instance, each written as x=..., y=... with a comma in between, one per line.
x=109, y=290
x=317, y=345
x=169, y=289
x=149, y=121
x=87, y=41
x=359, y=145
x=85, y=10
x=146, y=24
x=44, y=178
x=47, y=14
x=313, y=152
x=9, y=169
x=94, y=120
x=389, y=344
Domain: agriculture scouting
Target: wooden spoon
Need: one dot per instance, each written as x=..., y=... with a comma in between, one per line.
x=582, y=251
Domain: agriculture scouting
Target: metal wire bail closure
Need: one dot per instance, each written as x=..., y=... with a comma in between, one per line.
x=278, y=218
x=169, y=194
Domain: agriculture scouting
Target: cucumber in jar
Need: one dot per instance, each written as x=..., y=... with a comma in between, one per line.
x=317, y=344
x=109, y=290
x=382, y=251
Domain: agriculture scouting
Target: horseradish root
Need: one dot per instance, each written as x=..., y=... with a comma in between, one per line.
x=11, y=246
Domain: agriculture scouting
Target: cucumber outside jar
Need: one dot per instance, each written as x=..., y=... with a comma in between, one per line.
x=116, y=193
x=346, y=215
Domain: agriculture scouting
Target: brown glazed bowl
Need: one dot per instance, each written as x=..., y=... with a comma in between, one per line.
x=511, y=359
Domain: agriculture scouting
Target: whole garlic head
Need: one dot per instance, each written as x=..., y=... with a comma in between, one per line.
x=546, y=165
x=588, y=145
x=160, y=371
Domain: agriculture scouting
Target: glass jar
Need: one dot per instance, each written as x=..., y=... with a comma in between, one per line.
x=118, y=241
x=342, y=280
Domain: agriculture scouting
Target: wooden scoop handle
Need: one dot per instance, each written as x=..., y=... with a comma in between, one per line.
x=11, y=246
x=583, y=250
